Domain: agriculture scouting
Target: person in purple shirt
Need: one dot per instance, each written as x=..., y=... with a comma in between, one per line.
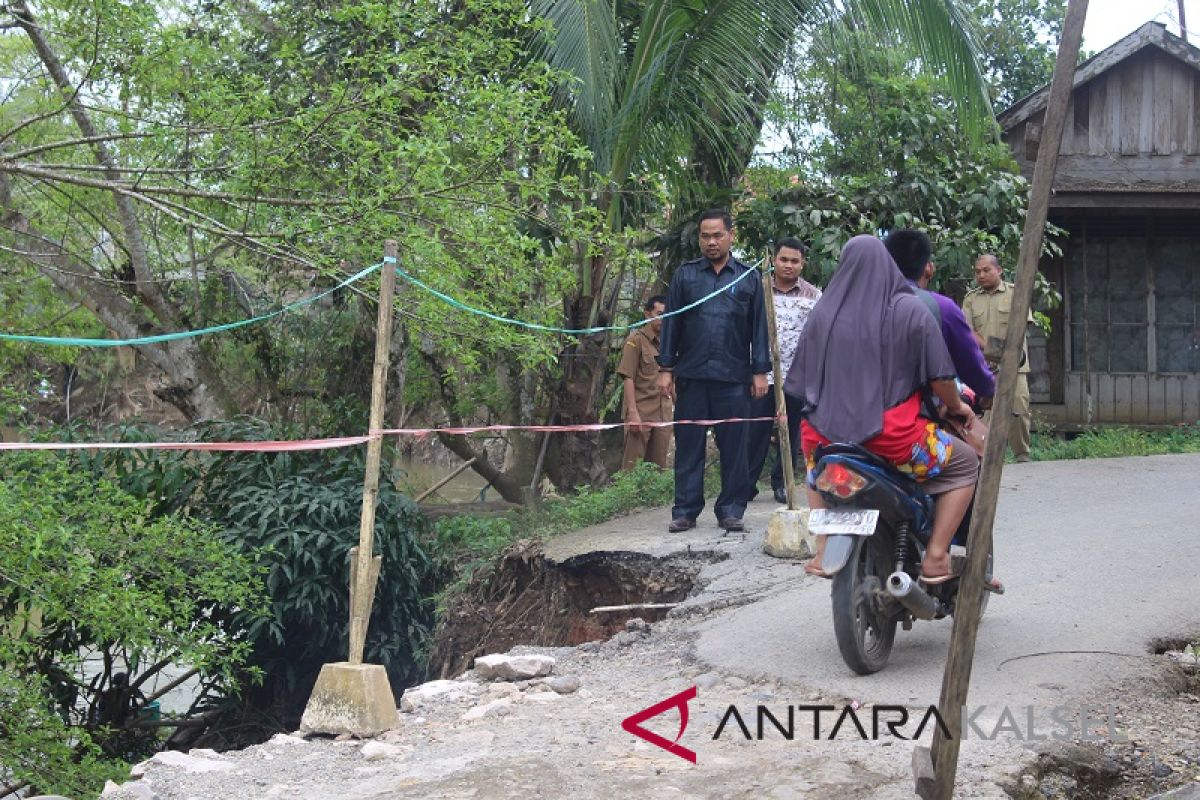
x=912, y=252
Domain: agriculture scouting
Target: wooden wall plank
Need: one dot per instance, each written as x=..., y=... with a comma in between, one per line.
x=1099, y=118
x=1162, y=105
x=1073, y=396
x=1176, y=173
x=1136, y=399
x=1122, y=398
x=1081, y=119
x=1156, y=113
x=1130, y=108
x=1191, y=398
x=1068, y=139
x=1194, y=130
x=1015, y=138
x=1172, y=397
x=1139, y=404
x=1181, y=106
x=1102, y=396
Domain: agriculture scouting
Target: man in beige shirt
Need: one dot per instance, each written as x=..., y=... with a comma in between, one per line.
x=643, y=401
x=987, y=308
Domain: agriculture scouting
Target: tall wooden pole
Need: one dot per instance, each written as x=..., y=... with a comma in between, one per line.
x=781, y=419
x=364, y=564
x=956, y=681
x=1182, y=21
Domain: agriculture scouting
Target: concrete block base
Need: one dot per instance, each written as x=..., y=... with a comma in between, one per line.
x=350, y=698
x=788, y=536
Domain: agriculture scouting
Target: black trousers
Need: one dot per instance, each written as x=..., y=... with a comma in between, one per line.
x=758, y=440
x=695, y=399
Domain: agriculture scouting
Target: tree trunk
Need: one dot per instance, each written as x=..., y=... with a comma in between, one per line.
x=189, y=383
x=193, y=384
x=508, y=487
x=572, y=458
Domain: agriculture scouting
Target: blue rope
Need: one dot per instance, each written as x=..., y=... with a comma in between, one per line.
x=570, y=331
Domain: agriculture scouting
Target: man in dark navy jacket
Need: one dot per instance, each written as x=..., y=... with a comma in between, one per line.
x=713, y=358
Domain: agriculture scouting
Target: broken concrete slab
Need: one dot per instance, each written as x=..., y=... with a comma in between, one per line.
x=512, y=668
x=417, y=697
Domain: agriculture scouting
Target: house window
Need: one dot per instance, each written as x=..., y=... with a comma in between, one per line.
x=1177, y=305
x=1129, y=277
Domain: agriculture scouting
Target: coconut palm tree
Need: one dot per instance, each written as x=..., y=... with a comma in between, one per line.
x=676, y=89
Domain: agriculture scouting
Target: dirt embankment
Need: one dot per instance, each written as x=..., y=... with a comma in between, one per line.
x=529, y=599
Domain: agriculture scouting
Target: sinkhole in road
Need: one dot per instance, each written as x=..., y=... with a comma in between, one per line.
x=528, y=599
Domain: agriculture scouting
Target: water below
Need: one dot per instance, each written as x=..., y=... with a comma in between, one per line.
x=417, y=476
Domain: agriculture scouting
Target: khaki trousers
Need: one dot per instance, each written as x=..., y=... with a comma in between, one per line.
x=1018, y=429
x=651, y=445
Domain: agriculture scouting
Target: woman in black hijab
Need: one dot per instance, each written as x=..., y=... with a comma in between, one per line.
x=869, y=349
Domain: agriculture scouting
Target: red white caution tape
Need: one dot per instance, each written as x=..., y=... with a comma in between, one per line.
x=248, y=447
x=600, y=426
x=351, y=441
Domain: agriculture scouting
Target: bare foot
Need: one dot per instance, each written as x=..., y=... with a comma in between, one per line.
x=813, y=567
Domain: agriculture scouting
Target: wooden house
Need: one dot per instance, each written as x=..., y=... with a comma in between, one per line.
x=1125, y=345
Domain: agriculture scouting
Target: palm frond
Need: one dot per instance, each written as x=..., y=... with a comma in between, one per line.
x=585, y=43
x=942, y=34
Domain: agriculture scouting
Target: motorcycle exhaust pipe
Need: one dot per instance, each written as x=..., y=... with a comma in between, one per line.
x=906, y=591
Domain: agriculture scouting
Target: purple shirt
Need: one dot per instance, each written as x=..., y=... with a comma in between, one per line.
x=964, y=350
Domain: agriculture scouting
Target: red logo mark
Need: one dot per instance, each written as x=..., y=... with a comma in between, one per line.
x=633, y=724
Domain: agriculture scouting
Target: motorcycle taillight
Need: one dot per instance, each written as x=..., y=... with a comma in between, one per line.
x=838, y=479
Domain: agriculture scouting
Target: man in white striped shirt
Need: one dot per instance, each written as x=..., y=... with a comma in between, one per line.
x=794, y=299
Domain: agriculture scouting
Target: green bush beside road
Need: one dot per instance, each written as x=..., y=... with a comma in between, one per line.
x=1117, y=442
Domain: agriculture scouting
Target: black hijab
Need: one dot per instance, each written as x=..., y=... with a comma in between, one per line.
x=869, y=343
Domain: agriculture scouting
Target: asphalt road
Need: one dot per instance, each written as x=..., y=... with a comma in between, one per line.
x=1097, y=556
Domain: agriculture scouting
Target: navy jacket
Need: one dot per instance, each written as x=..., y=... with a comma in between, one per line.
x=723, y=339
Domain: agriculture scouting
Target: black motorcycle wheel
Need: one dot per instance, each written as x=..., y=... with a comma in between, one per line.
x=864, y=636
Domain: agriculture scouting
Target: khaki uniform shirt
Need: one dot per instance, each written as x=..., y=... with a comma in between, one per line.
x=638, y=362
x=987, y=312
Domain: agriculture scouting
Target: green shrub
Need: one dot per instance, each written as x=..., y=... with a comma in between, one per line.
x=1119, y=441
x=97, y=594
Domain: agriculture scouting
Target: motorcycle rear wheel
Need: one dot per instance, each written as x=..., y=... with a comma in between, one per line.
x=864, y=636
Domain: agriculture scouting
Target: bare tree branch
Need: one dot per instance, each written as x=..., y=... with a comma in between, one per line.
x=147, y=290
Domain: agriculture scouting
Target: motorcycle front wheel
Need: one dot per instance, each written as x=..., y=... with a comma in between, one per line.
x=864, y=635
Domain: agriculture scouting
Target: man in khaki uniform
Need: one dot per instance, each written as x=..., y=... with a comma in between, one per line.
x=643, y=401
x=986, y=309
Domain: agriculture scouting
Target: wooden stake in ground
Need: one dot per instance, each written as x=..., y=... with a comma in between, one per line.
x=787, y=529
x=351, y=697
x=936, y=771
x=781, y=419
x=364, y=565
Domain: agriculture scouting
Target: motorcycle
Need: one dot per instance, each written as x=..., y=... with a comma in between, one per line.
x=878, y=525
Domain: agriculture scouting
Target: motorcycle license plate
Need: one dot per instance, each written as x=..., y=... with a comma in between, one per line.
x=853, y=523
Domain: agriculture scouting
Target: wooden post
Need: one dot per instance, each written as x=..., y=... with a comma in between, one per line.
x=364, y=565
x=1182, y=22
x=956, y=681
x=781, y=419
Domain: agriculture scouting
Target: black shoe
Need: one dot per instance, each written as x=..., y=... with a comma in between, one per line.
x=781, y=495
x=681, y=524
x=731, y=524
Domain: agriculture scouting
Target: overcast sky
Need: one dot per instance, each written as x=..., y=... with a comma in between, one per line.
x=1110, y=20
